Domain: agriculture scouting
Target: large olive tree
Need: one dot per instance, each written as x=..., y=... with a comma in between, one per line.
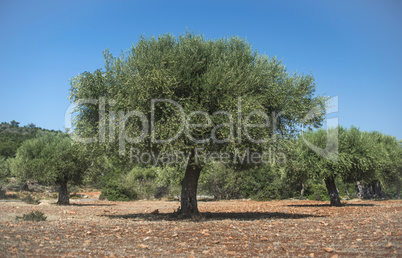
x=191, y=97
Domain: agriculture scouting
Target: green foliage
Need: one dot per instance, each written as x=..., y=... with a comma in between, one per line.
x=260, y=183
x=317, y=192
x=388, y=156
x=115, y=191
x=4, y=168
x=54, y=159
x=32, y=216
x=12, y=136
x=222, y=182
x=217, y=83
x=29, y=200
x=200, y=75
x=50, y=159
x=143, y=179
x=362, y=156
x=266, y=183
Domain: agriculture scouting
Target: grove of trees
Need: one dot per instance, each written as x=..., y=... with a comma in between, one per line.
x=198, y=102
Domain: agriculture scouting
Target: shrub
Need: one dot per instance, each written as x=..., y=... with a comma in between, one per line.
x=114, y=191
x=30, y=200
x=32, y=216
x=317, y=192
x=144, y=181
x=222, y=182
x=161, y=191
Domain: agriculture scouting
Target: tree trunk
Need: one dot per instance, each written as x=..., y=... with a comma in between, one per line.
x=25, y=187
x=369, y=191
x=302, y=190
x=189, y=189
x=398, y=191
x=332, y=191
x=347, y=190
x=376, y=189
x=360, y=190
x=64, y=197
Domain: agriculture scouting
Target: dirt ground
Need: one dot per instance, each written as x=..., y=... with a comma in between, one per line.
x=228, y=228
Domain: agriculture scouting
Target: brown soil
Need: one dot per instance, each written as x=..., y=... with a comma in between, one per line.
x=239, y=228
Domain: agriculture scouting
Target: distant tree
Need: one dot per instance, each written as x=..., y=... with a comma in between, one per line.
x=31, y=125
x=387, y=167
x=14, y=123
x=208, y=76
x=304, y=163
x=52, y=159
x=4, y=167
x=12, y=136
x=366, y=159
x=8, y=148
x=358, y=148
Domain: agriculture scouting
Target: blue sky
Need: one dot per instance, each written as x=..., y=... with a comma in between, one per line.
x=353, y=48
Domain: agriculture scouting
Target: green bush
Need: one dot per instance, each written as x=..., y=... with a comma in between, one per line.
x=267, y=183
x=161, y=192
x=114, y=191
x=222, y=182
x=32, y=216
x=30, y=200
x=317, y=192
x=144, y=180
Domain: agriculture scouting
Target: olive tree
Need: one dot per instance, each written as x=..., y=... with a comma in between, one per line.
x=306, y=163
x=386, y=169
x=191, y=97
x=51, y=158
x=365, y=158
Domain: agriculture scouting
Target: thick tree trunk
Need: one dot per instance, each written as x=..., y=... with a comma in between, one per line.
x=25, y=187
x=360, y=190
x=377, y=190
x=64, y=197
x=332, y=191
x=189, y=189
x=347, y=190
x=302, y=190
x=369, y=191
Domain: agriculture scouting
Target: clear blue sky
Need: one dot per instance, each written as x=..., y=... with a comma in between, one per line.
x=353, y=48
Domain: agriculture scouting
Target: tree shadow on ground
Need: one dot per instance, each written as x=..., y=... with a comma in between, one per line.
x=9, y=197
x=91, y=204
x=211, y=216
x=329, y=205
